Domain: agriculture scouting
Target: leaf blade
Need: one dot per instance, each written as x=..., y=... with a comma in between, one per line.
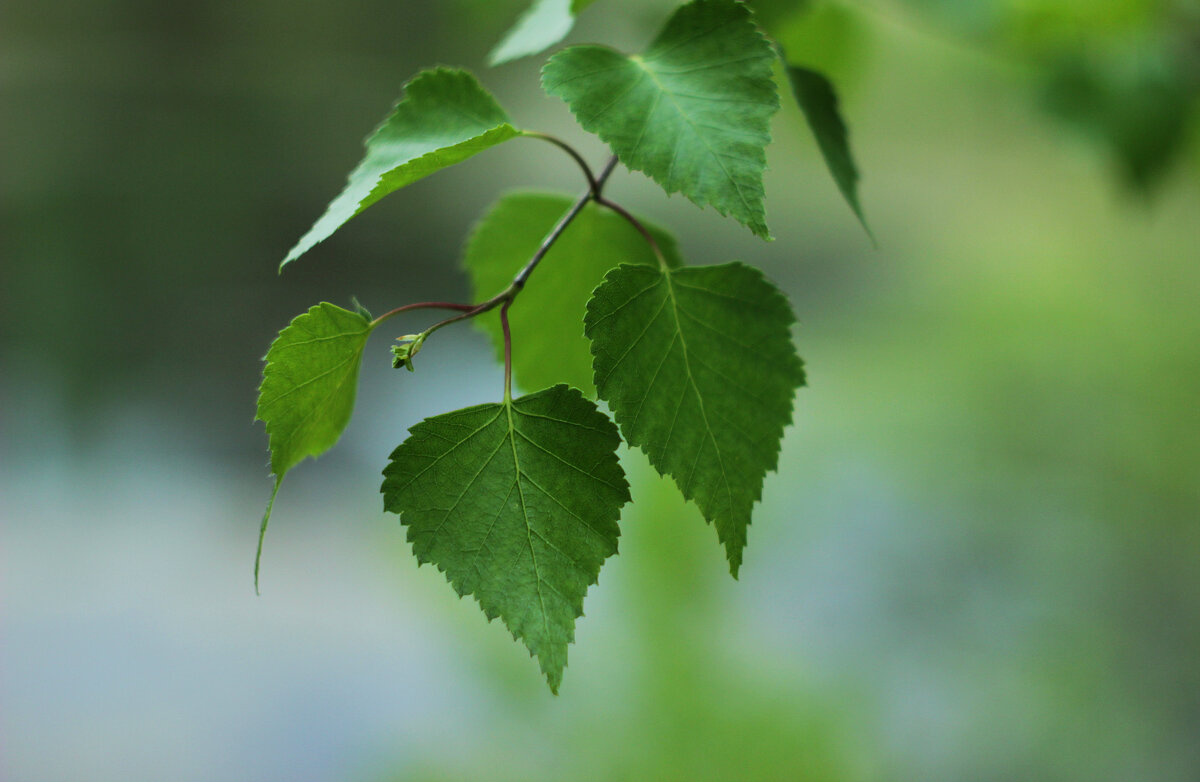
x=547, y=318
x=677, y=355
x=444, y=117
x=308, y=389
x=667, y=112
x=818, y=101
x=543, y=24
x=506, y=499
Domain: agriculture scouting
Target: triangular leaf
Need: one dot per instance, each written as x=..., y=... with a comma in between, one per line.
x=547, y=318
x=818, y=100
x=517, y=503
x=308, y=389
x=698, y=367
x=693, y=112
x=544, y=24
x=445, y=117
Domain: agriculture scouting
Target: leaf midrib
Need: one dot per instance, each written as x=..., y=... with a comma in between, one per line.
x=696, y=389
x=537, y=576
x=644, y=66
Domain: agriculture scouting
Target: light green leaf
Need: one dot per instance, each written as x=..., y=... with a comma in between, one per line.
x=698, y=367
x=824, y=35
x=544, y=24
x=693, y=112
x=819, y=102
x=517, y=503
x=308, y=389
x=547, y=318
x=445, y=117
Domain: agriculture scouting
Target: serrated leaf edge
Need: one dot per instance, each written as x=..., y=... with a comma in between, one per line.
x=553, y=680
x=735, y=559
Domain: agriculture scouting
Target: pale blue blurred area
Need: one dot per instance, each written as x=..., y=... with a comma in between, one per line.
x=977, y=561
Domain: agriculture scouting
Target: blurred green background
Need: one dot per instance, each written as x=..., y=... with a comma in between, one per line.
x=979, y=557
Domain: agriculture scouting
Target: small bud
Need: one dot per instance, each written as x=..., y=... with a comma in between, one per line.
x=410, y=345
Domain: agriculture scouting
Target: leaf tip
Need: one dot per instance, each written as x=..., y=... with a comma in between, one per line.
x=262, y=532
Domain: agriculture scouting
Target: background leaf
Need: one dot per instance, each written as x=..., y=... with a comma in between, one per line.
x=693, y=112
x=698, y=367
x=517, y=503
x=818, y=100
x=445, y=117
x=308, y=389
x=544, y=24
x=547, y=318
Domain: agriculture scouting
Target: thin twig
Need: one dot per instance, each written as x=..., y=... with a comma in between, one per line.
x=507, y=349
x=593, y=193
x=593, y=183
x=604, y=174
x=478, y=309
x=506, y=296
x=643, y=230
x=423, y=305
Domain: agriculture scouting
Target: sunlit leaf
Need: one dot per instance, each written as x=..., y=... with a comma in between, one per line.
x=544, y=24
x=445, y=117
x=308, y=388
x=693, y=112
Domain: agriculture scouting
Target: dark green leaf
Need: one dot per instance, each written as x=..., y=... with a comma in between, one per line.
x=547, y=318
x=819, y=102
x=693, y=112
x=698, y=367
x=308, y=388
x=517, y=503
x=1137, y=107
x=445, y=117
x=544, y=24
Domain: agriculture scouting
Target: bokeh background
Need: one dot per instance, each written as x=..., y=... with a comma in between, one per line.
x=980, y=556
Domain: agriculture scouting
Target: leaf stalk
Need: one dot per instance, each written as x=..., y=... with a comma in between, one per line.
x=504, y=298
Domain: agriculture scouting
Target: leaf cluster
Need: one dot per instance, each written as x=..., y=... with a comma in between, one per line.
x=518, y=502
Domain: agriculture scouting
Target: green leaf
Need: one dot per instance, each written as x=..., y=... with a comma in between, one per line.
x=445, y=117
x=698, y=367
x=818, y=100
x=693, y=112
x=1135, y=105
x=547, y=318
x=824, y=35
x=544, y=24
x=517, y=503
x=308, y=387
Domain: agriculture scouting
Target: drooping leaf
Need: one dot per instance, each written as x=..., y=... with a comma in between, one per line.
x=547, y=318
x=698, y=367
x=818, y=100
x=693, y=112
x=444, y=117
x=517, y=503
x=544, y=24
x=308, y=389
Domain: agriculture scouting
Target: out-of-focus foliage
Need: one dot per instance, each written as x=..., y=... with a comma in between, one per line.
x=545, y=23
x=1124, y=72
x=547, y=324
